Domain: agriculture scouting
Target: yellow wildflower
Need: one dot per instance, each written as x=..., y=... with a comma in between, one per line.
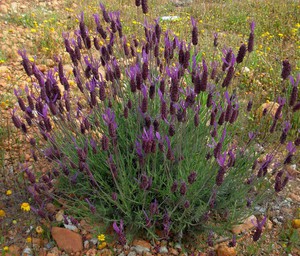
x=14, y=222
x=298, y=25
x=2, y=213
x=8, y=192
x=31, y=59
x=33, y=30
x=25, y=207
x=101, y=237
x=102, y=245
x=39, y=230
x=28, y=240
x=3, y=104
x=5, y=248
x=280, y=34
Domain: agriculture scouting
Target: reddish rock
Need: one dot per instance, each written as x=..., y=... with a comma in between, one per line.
x=13, y=250
x=142, y=243
x=247, y=224
x=67, y=240
x=91, y=252
x=224, y=250
x=173, y=251
x=50, y=208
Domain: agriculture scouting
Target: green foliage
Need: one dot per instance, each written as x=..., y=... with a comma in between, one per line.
x=154, y=141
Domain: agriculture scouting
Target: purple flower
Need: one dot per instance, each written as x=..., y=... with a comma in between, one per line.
x=145, y=6
x=286, y=69
x=104, y=13
x=241, y=53
x=154, y=208
x=264, y=166
x=148, y=220
x=194, y=32
x=192, y=177
x=183, y=188
x=148, y=139
x=91, y=206
x=227, y=59
x=109, y=119
x=145, y=182
x=26, y=62
x=120, y=232
x=174, y=186
x=259, y=227
x=251, y=37
x=215, y=40
x=166, y=224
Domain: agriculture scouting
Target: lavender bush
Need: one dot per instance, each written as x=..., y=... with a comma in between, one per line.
x=150, y=137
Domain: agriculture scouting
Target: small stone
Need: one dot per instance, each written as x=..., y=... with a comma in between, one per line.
x=50, y=63
x=50, y=208
x=71, y=227
x=140, y=249
x=173, y=251
x=224, y=250
x=260, y=209
x=3, y=9
x=106, y=252
x=23, y=7
x=86, y=244
x=42, y=68
x=14, y=7
x=27, y=252
x=245, y=70
x=13, y=250
x=67, y=240
x=247, y=224
x=269, y=224
x=59, y=216
x=163, y=250
x=4, y=69
x=271, y=109
x=131, y=253
x=91, y=252
x=294, y=197
x=49, y=245
x=94, y=241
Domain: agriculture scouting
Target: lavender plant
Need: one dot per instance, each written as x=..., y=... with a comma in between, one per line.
x=148, y=139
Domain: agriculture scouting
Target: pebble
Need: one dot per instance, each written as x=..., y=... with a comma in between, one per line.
x=27, y=252
x=94, y=241
x=71, y=227
x=260, y=209
x=86, y=244
x=163, y=250
x=131, y=253
x=49, y=245
x=3, y=9
x=140, y=249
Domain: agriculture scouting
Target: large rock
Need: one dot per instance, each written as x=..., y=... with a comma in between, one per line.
x=67, y=240
x=247, y=224
x=224, y=250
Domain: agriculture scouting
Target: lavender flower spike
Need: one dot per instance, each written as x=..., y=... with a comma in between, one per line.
x=259, y=227
x=194, y=32
x=120, y=232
